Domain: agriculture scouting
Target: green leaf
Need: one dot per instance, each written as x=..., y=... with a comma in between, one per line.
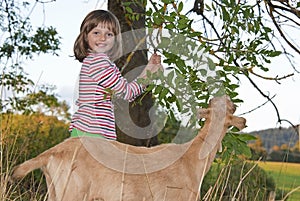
x=149, y=12
x=180, y=7
x=165, y=42
x=178, y=104
x=207, y=7
x=126, y=3
x=169, y=18
x=233, y=86
x=157, y=20
x=170, y=26
x=226, y=16
x=184, y=21
x=246, y=137
x=211, y=64
x=158, y=89
x=181, y=65
x=171, y=99
x=170, y=76
x=230, y=59
x=128, y=9
x=234, y=30
x=168, y=1
x=203, y=72
x=163, y=93
x=267, y=29
x=221, y=63
x=182, y=26
x=195, y=34
x=137, y=17
x=150, y=87
x=275, y=53
x=233, y=143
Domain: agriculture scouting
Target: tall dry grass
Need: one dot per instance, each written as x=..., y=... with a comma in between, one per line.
x=32, y=187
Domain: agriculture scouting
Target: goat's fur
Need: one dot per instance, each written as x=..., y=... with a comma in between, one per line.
x=98, y=169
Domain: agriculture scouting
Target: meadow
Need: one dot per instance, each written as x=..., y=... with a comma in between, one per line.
x=286, y=176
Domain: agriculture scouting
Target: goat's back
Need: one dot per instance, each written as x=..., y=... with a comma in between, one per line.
x=74, y=171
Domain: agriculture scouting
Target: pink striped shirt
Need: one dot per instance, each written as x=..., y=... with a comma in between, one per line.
x=99, y=77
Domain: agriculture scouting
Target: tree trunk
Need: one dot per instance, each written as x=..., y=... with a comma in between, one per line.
x=131, y=37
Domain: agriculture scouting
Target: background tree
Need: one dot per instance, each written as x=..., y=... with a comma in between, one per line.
x=24, y=136
x=284, y=147
x=130, y=60
x=257, y=149
x=296, y=147
x=275, y=148
x=20, y=41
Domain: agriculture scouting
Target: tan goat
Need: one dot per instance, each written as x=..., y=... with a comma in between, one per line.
x=98, y=169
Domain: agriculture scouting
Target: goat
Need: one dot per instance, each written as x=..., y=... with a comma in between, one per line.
x=89, y=169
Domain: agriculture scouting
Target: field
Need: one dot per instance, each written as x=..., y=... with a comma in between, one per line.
x=286, y=176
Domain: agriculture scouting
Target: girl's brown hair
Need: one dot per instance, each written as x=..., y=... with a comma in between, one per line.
x=108, y=20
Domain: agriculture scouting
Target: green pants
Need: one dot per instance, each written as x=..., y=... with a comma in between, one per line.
x=77, y=133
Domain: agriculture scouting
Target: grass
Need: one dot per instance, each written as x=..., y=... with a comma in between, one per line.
x=30, y=189
x=286, y=176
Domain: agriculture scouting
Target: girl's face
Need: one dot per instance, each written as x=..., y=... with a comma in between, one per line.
x=101, y=39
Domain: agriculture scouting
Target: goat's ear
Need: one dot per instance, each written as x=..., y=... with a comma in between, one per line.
x=238, y=122
x=203, y=113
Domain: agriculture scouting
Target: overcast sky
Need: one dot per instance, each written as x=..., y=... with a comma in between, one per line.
x=62, y=71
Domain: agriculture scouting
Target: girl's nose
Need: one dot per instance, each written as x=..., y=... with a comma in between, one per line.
x=102, y=37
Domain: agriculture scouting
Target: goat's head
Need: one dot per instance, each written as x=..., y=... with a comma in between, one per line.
x=219, y=116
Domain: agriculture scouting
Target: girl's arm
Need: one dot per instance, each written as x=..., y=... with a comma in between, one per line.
x=109, y=77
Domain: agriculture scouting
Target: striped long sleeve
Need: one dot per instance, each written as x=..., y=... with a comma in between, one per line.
x=99, y=78
x=108, y=76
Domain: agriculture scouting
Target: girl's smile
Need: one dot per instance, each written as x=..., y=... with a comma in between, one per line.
x=101, y=39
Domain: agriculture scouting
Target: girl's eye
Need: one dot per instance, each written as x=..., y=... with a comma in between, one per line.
x=110, y=34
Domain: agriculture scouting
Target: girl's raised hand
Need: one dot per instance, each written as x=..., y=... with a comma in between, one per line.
x=155, y=59
x=153, y=65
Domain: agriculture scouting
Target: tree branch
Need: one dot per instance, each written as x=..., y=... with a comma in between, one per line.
x=279, y=120
x=270, y=78
x=271, y=9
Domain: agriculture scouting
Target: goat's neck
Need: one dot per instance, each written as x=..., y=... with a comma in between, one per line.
x=206, y=144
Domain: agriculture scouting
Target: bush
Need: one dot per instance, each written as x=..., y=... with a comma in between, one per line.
x=225, y=182
x=24, y=137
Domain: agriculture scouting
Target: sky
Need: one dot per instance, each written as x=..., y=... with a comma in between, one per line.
x=63, y=70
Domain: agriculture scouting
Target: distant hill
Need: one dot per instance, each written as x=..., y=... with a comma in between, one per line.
x=277, y=136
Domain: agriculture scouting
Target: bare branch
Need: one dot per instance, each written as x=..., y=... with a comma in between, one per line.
x=279, y=120
x=270, y=12
x=270, y=78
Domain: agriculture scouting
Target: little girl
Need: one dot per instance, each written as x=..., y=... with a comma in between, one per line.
x=98, y=44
